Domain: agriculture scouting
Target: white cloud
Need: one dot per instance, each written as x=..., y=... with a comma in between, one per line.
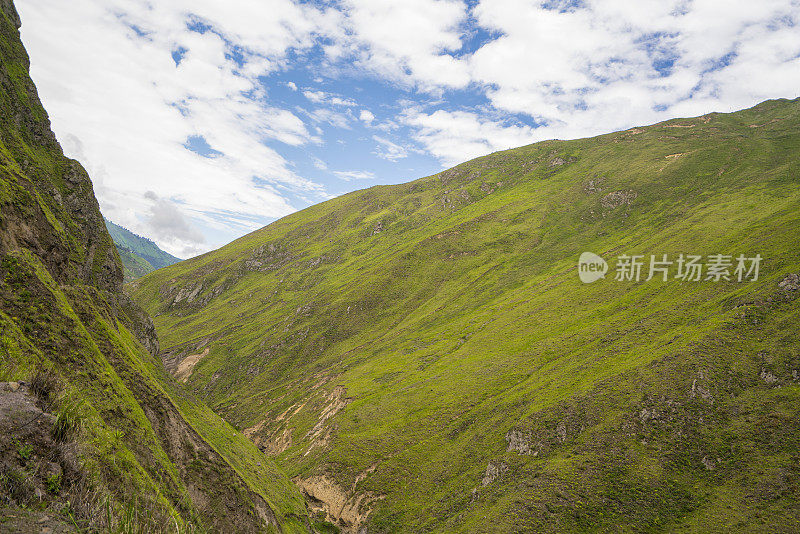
x=611, y=64
x=329, y=116
x=560, y=69
x=408, y=42
x=457, y=136
x=366, y=117
x=388, y=150
x=321, y=97
x=168, y=223
x=580, y=69
x=354, y=175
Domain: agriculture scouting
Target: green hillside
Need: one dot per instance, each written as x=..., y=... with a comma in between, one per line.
x=94, y=435
x=139, y=255
x=424, y=357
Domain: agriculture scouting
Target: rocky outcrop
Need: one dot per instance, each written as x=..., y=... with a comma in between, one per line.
x=790, y=283
x=321, y=433
x=266, y=258
x=214, y=488
x=618, y=198
x=518, y=441
x=493, y=472
x=140, y=324
x=7, y=8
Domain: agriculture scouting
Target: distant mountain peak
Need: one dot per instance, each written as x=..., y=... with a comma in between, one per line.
x=139, y=254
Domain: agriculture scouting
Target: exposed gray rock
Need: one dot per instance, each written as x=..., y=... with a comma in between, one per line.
x=561, y=432
x=269, y=257
x=698, y=390
x=518, y=441
x=618, y=198
x=790, y=283
x=493, y=472
x=768, y=377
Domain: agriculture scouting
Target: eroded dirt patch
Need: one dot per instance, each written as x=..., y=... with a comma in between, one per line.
x=321, y=433
x=186, y=366
x=346, y=509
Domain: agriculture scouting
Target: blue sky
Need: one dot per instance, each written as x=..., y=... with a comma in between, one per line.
x=202, y=120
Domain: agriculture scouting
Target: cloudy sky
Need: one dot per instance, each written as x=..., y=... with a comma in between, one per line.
x=201, y=120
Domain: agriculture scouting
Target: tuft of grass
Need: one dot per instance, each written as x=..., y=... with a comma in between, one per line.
x=53, y=483
x=16, y=486
x=47, y=386
x=69, y=420
x=25, y=450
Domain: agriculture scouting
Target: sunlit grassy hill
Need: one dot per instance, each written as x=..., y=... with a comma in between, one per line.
x=424, y=357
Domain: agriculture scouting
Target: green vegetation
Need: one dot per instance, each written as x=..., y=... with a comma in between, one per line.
x=139, y=255
x=69, y=420
x=24, y=450
x=426, y=351
x=91, y=426
x=417, y=358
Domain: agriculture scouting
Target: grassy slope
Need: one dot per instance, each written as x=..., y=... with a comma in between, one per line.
x=133, y=266
x=139, y=255
x=61, y=309
x=450, y=310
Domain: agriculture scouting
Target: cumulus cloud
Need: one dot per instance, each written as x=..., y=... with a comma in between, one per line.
x=573, y=69
x=164, y=73
x=457, y=136
x=366, y=116
x=584, y=68
x=408, y=42
x=167, y=223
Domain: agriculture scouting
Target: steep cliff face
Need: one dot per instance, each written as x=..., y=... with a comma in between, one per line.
x=114, y=443
x=48, y=204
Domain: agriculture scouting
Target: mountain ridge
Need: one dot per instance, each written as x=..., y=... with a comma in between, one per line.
x=139, y=255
